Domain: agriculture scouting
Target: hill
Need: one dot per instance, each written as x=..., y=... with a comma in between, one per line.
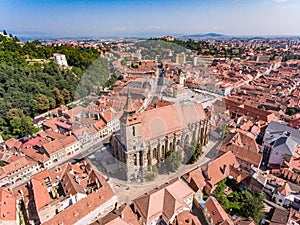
x=28, y=89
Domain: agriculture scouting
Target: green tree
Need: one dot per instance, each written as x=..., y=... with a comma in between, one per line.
x=16, y=124
x=252, y=205
x=22, y=126
x=223, y=129
x=27, y=128
x=67, y=95
x=42, y=101
x=2, y=163
x=197, y=153
x=173, y=160
x=16, y=39
x=59, y=98
x=13, y=113
x=52, y=102
x=291, y=111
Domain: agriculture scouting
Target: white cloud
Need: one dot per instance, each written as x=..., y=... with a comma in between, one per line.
x=279, y=1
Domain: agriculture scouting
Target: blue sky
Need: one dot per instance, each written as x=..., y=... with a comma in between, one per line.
x=150, y=17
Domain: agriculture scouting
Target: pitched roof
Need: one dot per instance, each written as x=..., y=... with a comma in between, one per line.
x=8, y=207
x=243, y=221
x=122, y=215
x=32, y=142
x=216, y=212
x=219, y=168
x=99, y=124
x=12, y=143
x=294, y=216
x=243, y=154
x=160, y=121
x=280, y=216
x=165, y=201
x=195, y=179
x=36, y=155
x=59, y=144
x=186, y=218
x=15, y=163
x=83, y=207
x=70, y=185
x=285, y=189
x=40, y=193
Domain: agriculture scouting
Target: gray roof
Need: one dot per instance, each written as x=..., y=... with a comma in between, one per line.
x=283, y=136
x=276, y=130
x=286, y=144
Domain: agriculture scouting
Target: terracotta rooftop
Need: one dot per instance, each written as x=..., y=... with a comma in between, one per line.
x=279, y=216
x=40, y=193
x=59, y=144
x=15, y=163
x=12, y=143
x=171, y=118
x=8, y=206
x=219, y=168
x=294, y=216
x=216, y=212
x=285, y=189
x=195, y=179
x=186, y=218
x=165, y=201
x=122, y=215
x=83, y=207
x=243, y=154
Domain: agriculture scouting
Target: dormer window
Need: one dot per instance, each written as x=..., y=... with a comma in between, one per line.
x=214, y=212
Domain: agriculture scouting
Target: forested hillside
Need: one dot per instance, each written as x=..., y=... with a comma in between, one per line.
x=27, y=89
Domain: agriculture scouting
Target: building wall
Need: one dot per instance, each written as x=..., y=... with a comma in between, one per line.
x=73, y=148
x=8, y=222
x=276, y=156
x=113, y=125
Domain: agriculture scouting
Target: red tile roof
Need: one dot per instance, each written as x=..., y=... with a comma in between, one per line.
x=171, y=118
x=216, y=212
x=186, y=218
x=253, y=158
x=83, y=207
x=122, y=215
x=40, y=193
x=59, y=144
x=219, y=169
x=12, y=143
x=195, y=179
x=8, y=206
x=165, y=201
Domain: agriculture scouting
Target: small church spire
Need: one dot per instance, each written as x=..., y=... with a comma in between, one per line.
x=128, y=105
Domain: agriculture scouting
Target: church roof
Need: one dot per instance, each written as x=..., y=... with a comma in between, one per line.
x=171, y=118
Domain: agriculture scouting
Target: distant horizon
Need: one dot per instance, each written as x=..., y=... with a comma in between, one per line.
x=98, y=18
x=31, y=35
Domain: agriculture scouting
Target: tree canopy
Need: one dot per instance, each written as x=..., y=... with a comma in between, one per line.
x=31, y=83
